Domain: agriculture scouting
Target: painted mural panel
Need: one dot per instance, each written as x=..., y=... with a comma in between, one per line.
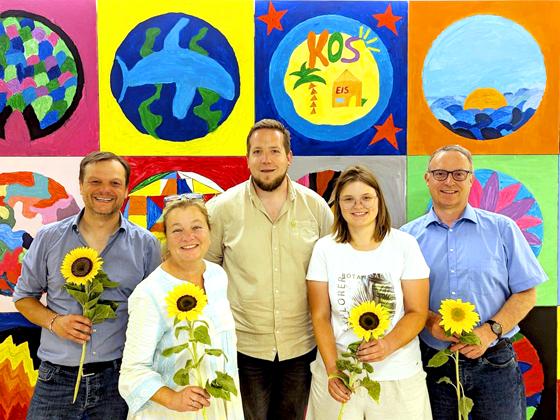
x=483, y=74
x=175, y=77
x=321, y=173
x=154, y=178
x=335, y=73
x=513, y=186
x=33, y=192
x=48, y=78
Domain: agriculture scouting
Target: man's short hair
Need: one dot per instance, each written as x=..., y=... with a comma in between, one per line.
x=452, y=148
x=273, y=125
x=94, y=157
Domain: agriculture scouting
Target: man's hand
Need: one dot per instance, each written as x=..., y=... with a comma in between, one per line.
x=436, y=330
x=472, y=351
x=76, y=328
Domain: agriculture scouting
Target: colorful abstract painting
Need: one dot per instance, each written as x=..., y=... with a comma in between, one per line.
x=175, y=83
x=483, y=75
x=320, y=173
x=46, y=57
x=30, y=199
x=152, y=179
x=532, y=370
x=335, y=73
x=513, y=186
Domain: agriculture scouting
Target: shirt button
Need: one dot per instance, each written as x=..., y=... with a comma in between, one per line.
x=277, y=291
x=94, y=330
x=277, y=331
x=94, y=352
x=451, y=250
x=450, y=230
x=452, y=271
x=274, y=349
x=453, y=293
x=276, y=269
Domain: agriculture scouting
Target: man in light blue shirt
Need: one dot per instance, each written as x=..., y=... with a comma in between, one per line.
x=483, y=258
x=129, y=253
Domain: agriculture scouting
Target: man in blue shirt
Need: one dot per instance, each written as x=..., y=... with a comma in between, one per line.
x=129, y=253
x=483, y=258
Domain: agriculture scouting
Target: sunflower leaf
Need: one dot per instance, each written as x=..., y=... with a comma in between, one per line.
x=344, y=365
x=81, y=297
x=114, y=305
x=201, y=335
x=465, y=407
x=104, y=279
x=213, y=352
x=439, y=359
x=373, y=388
x=225, y=382
x=445, y=380
x=347, y=354
x=353, y=347
x=175, y=349
x=343, y=377
x=182, y=377
x=368, y=367
x=102, y=312
x=469, y=338
x=179, y=329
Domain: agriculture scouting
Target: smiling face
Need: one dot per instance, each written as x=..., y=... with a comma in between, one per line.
x=449, y=195
x=358, y=204
x=267, y=159
x=103, y=188
x=187, y=234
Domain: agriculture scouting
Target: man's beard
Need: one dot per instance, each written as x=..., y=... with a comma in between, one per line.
x=272, y=185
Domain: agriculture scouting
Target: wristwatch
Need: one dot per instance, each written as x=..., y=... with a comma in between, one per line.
x=496, y=327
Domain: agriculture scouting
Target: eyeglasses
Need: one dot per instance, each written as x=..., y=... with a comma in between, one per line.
x=457, y=174
x=184, y=196
x=367, y=201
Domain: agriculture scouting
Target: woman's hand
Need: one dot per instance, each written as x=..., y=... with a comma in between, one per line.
x=338, y=390
x=374, y=350
x=192, y=398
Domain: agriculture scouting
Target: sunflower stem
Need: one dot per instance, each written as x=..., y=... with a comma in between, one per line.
x=458, y=388
x=80, y=371
x=198, y=373
x=342, y=405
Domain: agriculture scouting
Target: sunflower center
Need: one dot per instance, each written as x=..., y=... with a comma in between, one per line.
x=186, y=303
x=457, y=314
x=82, y=267
x=369, y=321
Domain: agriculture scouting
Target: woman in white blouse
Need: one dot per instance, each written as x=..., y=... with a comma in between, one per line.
x=146, y=380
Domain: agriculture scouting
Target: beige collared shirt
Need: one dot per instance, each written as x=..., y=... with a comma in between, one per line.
x=266, y=263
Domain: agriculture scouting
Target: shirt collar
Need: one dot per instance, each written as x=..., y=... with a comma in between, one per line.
x=76, y=222
x=468, y=214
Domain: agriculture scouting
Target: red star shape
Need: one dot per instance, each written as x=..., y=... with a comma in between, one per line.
x=387, y=19
x=272, y=18
x=387, y=131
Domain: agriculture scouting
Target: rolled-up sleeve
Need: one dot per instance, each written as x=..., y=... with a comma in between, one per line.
x=138, y=380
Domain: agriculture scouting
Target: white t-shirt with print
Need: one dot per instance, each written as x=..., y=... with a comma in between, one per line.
x=357, y=276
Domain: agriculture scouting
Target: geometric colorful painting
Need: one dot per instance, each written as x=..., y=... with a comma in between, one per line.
x=152, y=179
x=48, y=79
x=176, y=77
x=334, y=73
x=484, y=77
x=532, y=370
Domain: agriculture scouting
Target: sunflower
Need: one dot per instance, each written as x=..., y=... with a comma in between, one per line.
x=186, y=301
x=458, y=316
x=369, y=320
x=81, y=265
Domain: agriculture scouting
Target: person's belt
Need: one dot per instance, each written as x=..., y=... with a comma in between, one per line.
x=91, y=368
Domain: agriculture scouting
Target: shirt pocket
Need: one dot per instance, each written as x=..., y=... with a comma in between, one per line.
x=303, y=235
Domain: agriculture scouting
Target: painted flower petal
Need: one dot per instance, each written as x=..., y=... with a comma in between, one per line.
x=531, y=238
x=507, y=195
x=490, y=193
x=476, y=193
x=525, y=222
x=518, y=209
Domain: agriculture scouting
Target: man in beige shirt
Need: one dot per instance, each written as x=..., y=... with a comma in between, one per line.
x=263, y=232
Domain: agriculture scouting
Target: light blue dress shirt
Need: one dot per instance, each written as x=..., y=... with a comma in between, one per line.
x=483, y=259
x=129, y=256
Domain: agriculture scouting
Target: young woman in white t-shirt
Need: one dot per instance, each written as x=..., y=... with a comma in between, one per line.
x=365, y=260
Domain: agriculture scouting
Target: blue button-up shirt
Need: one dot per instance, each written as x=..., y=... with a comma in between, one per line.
x=130, y=255
x=483, y=259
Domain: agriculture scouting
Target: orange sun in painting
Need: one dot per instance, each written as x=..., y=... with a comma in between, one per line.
x=17, y=379
x=483, y=98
